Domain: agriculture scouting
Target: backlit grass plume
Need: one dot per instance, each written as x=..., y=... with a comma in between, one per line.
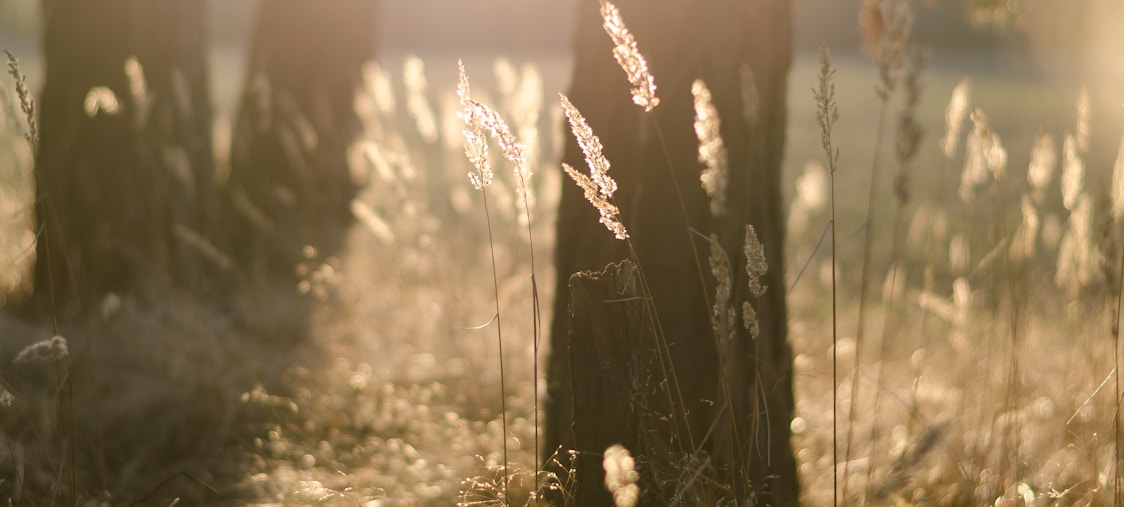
x=712, y=152
x=45, y=350
x=477, y=118
x=629, y=57
x=598, y=186
x=475, y=144
x=621, y=476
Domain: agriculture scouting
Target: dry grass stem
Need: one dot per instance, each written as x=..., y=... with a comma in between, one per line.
x=1118, y=183
x=629, y=58
x=712, y=152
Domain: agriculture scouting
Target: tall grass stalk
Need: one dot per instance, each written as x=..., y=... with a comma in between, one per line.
x=63, y=375
x=889, y=60
x=476, y=149
x=907, y=143
x=827, y=112
x=1115, y=330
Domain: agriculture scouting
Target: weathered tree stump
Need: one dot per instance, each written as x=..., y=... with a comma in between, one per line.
x=616, y=380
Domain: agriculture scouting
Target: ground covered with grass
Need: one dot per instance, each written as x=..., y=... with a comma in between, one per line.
x=983, y=376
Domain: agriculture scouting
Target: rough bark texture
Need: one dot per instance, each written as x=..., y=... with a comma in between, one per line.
x=614, y=363
x=289, y=183
x=123, y=197
x=683, y=41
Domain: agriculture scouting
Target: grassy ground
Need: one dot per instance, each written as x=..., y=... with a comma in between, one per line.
x=375, y=381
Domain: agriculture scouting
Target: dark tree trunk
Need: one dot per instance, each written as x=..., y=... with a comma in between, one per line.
x=742, y=50
x=124, y=196
x=289, y=183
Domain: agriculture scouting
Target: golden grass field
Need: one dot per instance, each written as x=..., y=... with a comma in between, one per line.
x=983, y=376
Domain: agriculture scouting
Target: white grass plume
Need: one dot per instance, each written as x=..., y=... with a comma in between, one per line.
x=475, y=144
x=1073, y=173
x=598, y=186
x=629, y=58
x=44, y=350
x=621, y=477
x=712, y=152
x=954, y=118
x=413, y=75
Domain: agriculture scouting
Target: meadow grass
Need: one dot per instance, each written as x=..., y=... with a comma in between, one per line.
x=993, y=378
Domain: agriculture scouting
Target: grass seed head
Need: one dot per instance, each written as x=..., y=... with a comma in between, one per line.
x=6, y=397
x=629, y=58
x=1073, y=173
x=755, y=264
x=954, y=117
x=621, y=476
x=475, y=144
x=712, y=152
x=45, y=350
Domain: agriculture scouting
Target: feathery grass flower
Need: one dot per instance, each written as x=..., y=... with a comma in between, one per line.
x=610, y=214
x=44, y=350
x=722, y=314
x=1073, y=172
x=475, y=144
x=954, y=117
x=27, y=102
x=1083, y=132
x=629, y=58
x=1043, y=160
x=598, y=186
x=621, y=477
x=827, y=111
x=712, y=152
x=755, y=264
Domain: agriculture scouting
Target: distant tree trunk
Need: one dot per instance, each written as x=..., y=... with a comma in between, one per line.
x=742, y=50
x=125, y=191
x=289, y=183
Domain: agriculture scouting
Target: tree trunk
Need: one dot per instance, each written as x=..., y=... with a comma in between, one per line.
x=289, y=184
x=125, y=191
x=742, y=50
